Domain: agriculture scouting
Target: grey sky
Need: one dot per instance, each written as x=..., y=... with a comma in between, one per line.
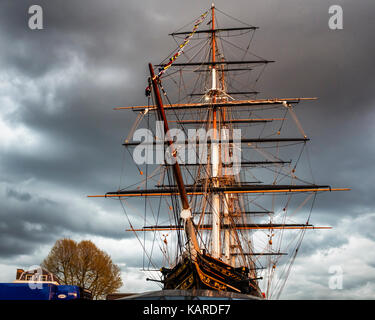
x=61, y=140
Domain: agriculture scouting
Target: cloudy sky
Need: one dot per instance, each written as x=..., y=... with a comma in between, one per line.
x=61, y=140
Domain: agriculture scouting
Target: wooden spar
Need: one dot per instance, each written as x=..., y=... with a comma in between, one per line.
x=158, y=194
x=255, y=163
x=212, y=31
x=226, y=70
x=242, y=141
x=215, y=63
x=243, y=163
x=176, y=167
x=260, y=254
x=190, y=230
x=235, y=226
x=239, y=228
x=242, y=213
x=198, y=188
x=236, y=103
x=228, y=93
x=255, y=120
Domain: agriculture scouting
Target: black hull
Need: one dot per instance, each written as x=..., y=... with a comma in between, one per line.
x=207, y=273
x=194, y=294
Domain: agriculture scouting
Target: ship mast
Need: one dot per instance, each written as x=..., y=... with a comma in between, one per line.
x=215, y=235
x=186, y=214
x=227, y=201
x=217, y=204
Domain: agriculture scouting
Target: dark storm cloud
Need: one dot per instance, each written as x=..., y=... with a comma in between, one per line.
x=79, y=31
x=25, y=225
x=92, y=56
x=107, y=34
x=82, y=111
x=22, y=196
x=340, y=123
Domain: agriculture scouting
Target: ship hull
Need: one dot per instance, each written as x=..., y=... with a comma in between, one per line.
x=207, y=273
x=193, y=294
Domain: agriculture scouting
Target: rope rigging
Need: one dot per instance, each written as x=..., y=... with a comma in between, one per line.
x=258, y=248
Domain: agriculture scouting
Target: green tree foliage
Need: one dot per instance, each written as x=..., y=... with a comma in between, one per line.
x=84, y=265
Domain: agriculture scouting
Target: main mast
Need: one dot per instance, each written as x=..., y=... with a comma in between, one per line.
x=216, y=250
x=217, y=204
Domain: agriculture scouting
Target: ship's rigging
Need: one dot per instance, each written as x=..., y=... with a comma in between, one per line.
x=217, y=228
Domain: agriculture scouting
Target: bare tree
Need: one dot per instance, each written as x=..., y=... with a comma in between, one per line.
x=84, y=265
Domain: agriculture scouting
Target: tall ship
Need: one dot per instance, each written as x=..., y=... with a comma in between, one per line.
x=221, y=190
